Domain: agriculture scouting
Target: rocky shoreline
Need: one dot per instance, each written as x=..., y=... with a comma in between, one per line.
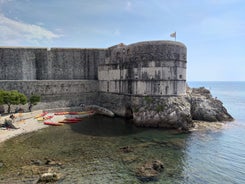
x=166, y=112
x=180, y=112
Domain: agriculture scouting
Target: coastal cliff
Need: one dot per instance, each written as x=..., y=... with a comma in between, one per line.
x=179, y=112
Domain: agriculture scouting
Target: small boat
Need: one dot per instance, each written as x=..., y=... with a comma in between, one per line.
x=44, y=118
x=48, y=117
x=52, y=123
x=81, y=113
x=41, y=115
x=86, y=112
x=40, y=119
x=73, y=119
x=61, y=113
x=68, y=122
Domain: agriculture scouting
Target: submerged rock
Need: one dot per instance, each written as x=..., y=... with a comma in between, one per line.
x=1, y=164
x=126, y=149
x=49, y=177
x=150, y=171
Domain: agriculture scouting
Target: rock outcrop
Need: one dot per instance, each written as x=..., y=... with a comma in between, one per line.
x=167, y=112
x=150, y=171
x=206, y=108
x=179, y=112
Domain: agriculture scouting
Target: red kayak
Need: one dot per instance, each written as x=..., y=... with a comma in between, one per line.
x=73, y=119
x=67, y=122
x=52, y=123
x=41, y=115
x=48, y=117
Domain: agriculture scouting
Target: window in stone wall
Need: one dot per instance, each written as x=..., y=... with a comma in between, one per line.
x=180, y=76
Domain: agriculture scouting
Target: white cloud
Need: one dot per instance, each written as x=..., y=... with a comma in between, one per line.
x=16, y=32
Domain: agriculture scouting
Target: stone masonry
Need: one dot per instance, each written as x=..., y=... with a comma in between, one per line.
x=119, y=78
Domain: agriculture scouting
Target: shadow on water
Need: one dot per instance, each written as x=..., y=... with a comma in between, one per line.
x=105, y=127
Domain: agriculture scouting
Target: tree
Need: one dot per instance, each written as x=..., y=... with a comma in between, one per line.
x=34, y=99
x=13, y=98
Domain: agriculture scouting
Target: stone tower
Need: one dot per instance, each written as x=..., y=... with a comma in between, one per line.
x=152, y=68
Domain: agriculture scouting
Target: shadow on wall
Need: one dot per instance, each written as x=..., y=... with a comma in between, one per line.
x=103, y=126
x=129, y=112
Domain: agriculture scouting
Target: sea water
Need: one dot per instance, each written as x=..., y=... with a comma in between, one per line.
x=91, y=151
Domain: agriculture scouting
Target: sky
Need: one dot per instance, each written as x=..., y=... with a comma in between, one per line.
x=212, y=30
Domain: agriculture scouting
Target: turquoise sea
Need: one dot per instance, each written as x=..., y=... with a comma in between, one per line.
x=91, y=152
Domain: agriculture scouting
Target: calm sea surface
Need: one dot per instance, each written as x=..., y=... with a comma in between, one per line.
x=90, y=150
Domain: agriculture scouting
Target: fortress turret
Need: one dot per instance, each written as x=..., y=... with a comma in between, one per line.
x=155, y=68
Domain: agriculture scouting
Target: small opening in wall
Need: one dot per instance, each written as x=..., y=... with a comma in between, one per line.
x=128, y=112
x=180, y=76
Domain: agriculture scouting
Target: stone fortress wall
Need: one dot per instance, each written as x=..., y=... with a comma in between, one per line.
x=147, y=68
x=69, y=77
x=49, y=64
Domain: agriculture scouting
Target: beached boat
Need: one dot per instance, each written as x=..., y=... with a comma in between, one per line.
x=40, y=119
x=48, y=117
x=52, y=123
x=81, y=113
x=41, y=115
x=61, y=113
x=44, y=118
x=73, y=119
x=68, y=122
x=86, y=112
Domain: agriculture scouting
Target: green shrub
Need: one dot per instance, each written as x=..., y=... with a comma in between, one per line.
x=159, y=108
x=148, y=99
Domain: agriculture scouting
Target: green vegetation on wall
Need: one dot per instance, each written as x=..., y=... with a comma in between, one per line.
x=148, y=99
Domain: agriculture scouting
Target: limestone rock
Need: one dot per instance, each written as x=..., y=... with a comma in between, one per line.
x=171, y=112
x=150, y=171
x=206, y=108
x=1, y=164
x=49, y=177
x=179, y=112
